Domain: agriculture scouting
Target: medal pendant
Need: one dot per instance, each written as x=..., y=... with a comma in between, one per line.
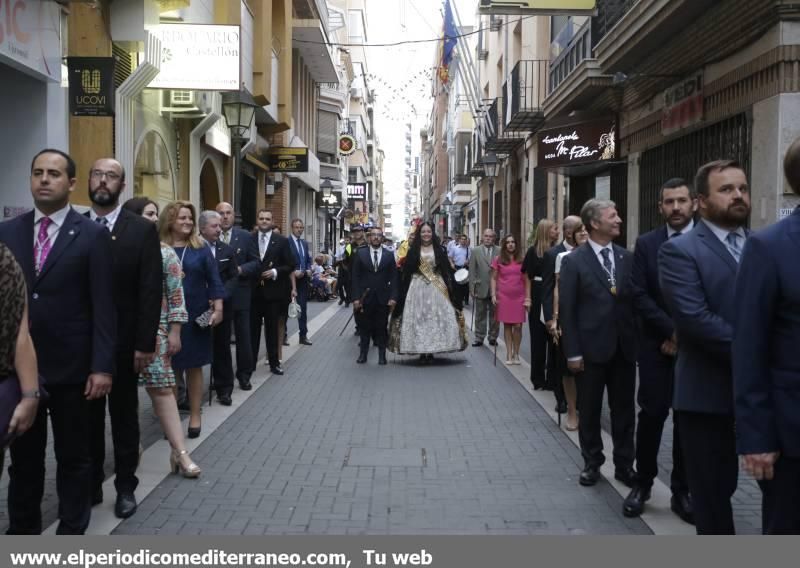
x=614, y=290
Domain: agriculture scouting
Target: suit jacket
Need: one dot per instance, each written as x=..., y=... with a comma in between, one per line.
x=549, y=278
x=532, y=266
x=72, y=316
x=278, y=256
x=136, y=252
x=696, y=273
x=383, y=284
x=240, y=243
x=766, y=370
x=654, y=320
x=225, y=256
x=303, y=260
x=596, y=323
x=480, y=270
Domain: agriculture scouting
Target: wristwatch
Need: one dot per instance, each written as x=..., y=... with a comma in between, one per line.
x=31, y=394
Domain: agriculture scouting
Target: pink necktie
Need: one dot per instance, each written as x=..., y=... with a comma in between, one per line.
x=42, y=243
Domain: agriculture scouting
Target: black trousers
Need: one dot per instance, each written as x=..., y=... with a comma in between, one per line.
x=222, y=362
x=302, y=301
x=69, y=417
x=343, y=285
x=242, y=328
x=374, y=326
x=267, y=314
x=780, y=495
x=619, y=377
x=712, y=469
x=123, y=408
x=656, y=380
x=539, y=341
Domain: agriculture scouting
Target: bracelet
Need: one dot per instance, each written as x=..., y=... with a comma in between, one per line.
x=31, y=394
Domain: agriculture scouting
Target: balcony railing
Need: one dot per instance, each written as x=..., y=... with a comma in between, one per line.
x=527, y=93
x=499, y=139
x=579, y=50
x=462, y=179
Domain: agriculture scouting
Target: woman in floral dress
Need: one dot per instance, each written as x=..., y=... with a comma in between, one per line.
x=159, y=378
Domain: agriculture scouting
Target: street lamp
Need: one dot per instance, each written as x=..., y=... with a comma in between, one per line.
x=490, y=171
x=239, y=109
x=326, y=186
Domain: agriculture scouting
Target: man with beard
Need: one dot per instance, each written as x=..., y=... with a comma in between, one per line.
x=657, y=354
x=239, y=240
x=136, y=264
x=697, y=272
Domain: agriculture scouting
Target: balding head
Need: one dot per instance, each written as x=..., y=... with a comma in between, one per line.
x=226, y=215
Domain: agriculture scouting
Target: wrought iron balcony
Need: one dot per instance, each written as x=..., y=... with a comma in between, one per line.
x=526, y=95
x=578, y=51
x=498, y=138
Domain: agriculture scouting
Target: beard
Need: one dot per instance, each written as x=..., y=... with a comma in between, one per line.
x=103, y=197
x=736, y=214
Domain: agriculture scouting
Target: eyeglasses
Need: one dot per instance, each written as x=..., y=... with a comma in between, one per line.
x=110, y=176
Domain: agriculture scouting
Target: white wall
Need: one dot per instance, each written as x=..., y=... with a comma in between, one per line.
x=25, y=133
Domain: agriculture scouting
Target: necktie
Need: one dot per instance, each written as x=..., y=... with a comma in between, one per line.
x=102, y=221
x=375, y=260
x=607, y=263
x=226, y=237
x=43, y=244
x=301, y=256
x=675, y=235
x=732, y=240
x=263, y=246
x=213, y=249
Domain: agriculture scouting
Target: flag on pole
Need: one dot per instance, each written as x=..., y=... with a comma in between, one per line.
x=449, y=42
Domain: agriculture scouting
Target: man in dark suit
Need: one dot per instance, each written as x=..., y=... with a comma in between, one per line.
x=766, y=373
x=599, y=339
x=274, y=287
x=696, y=272
x=656, y=358
x=239, y=240
x=65, y=259
x=221, y=365
x=136, y=263
x=302, y=276
x=375, y=279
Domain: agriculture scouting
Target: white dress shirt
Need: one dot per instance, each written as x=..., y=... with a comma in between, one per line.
x=111, y=218
x=57, y=219
x=597, y=248
x=372, y=255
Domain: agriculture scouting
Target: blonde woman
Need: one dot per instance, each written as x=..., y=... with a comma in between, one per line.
x=545, y=237
x=202, y=288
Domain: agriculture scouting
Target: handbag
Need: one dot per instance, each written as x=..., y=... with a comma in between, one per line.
x=204, y=319
x=294, y=309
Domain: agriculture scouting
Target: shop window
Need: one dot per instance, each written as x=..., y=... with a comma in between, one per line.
x=152, y=174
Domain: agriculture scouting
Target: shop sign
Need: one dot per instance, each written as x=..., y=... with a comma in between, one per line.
x=30, y=37
x=683, y=105
x=9, y=212
x=91, y=86
x=198, y=57
x=334, y=201
x=288, y=160
x=357, y=191
x=347, y=144
x=538, y=7
x=577, y=144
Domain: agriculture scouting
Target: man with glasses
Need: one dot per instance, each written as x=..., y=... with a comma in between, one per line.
x=136, y=263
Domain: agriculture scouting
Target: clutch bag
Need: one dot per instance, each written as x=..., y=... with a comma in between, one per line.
x=204, y=319
x=294, y=309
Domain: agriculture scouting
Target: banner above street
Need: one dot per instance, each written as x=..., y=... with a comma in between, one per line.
x=538, y=7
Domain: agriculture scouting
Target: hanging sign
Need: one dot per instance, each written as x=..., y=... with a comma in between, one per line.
x=288, y=160
x=577, y=144
x=357, y=191
x=91, y=86
x=347, y=144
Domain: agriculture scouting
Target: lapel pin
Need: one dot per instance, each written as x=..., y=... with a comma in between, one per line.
x=72, y=232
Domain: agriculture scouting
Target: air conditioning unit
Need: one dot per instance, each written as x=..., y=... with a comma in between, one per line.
x=355, y=92
x=178, y=101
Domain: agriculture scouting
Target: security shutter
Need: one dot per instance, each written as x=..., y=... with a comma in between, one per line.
x=327, y=132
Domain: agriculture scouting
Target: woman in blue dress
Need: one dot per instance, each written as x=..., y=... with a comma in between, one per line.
x=203, y=290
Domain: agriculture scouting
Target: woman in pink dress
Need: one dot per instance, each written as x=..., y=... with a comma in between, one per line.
x=511, y=293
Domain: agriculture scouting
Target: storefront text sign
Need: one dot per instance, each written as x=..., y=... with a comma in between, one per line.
x=577, y=144
x=198, y=57
x=91, y=86
x=356, y=191
x=683, y=105
x=288, y=160
x=538, y=7
x=29, y=37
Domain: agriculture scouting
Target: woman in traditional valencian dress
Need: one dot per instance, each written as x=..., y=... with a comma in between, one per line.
x=427, y=318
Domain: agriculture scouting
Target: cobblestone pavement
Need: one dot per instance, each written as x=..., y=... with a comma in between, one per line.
x=333, y=447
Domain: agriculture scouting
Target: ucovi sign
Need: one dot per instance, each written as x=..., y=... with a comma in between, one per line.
x=197, y=57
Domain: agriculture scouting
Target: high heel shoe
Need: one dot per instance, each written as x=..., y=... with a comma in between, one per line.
x=193, y=432
x=176, y=466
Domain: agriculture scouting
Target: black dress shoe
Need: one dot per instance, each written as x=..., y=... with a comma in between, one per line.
x=125, y=505
x=245, y=385
x=276, y=370
x=492, y=342
x=305, y=341
x=193, y=432
x=285, y=342
x=589, y=476
x=627, y=475
x=224, y=399
x=561, y=407
x=362, y=358
x=681, y=505
x=634, y=502
x=477, y=343
x=97, y=496
x=382, y=359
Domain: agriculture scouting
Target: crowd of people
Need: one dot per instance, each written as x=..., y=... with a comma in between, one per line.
x=128, y=295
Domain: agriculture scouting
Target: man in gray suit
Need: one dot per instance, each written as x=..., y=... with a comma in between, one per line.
x=480, y=274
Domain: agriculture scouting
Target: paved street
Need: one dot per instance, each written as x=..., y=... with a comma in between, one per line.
x=332, y=447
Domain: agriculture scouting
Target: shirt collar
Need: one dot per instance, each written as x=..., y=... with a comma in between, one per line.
x=721, y=233
x=58, y=217
x=266, y=233
x=111, y=217
x=686, y=229
x=568, y=247
x=597, y=247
